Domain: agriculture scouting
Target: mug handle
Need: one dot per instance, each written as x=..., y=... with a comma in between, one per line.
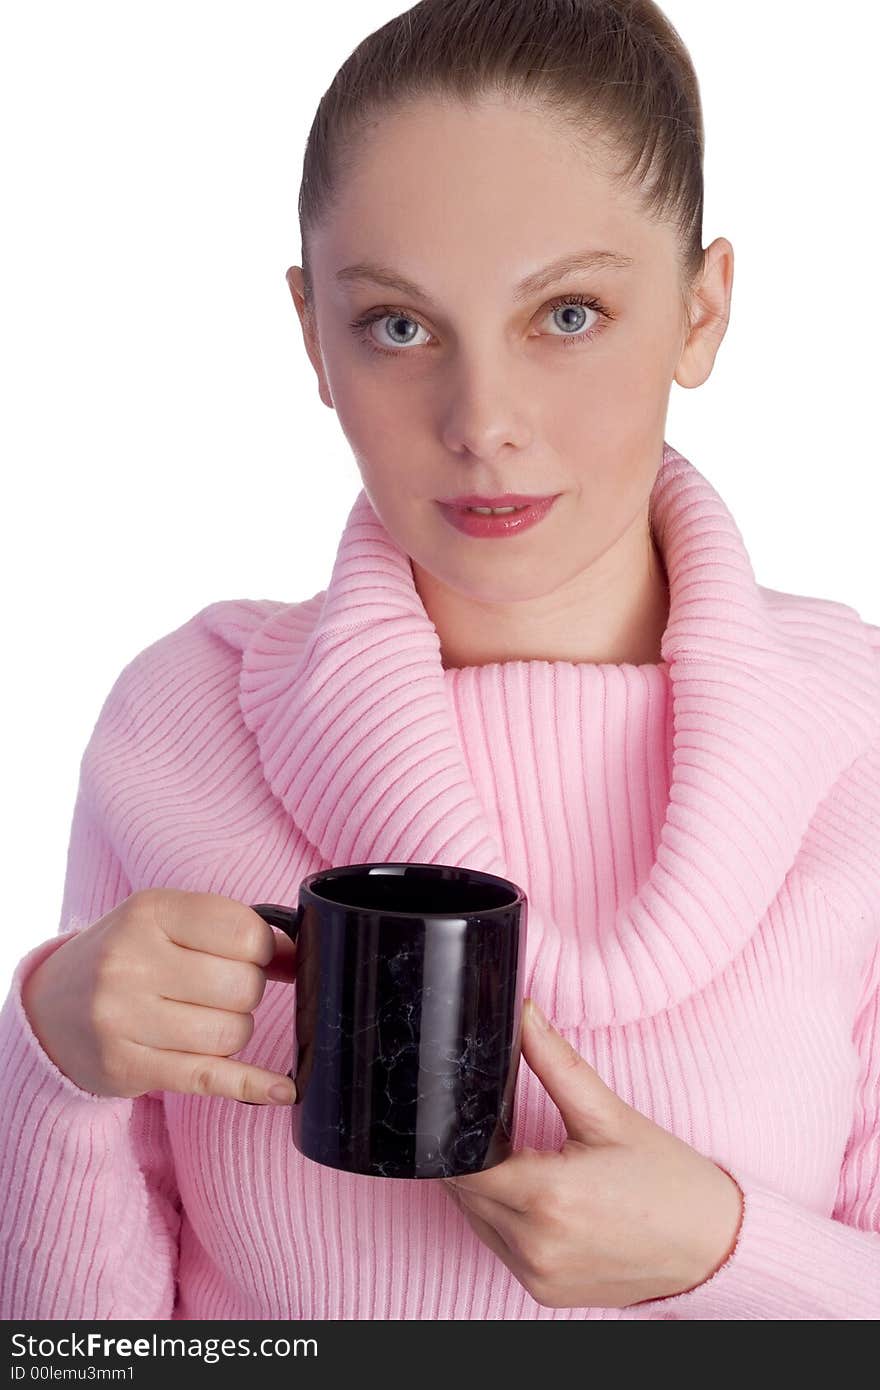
x=287, y=918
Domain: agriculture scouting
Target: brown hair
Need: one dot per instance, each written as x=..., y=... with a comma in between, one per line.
x=614, y=71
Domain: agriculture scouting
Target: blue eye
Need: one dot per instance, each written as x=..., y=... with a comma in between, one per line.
x=361, y=326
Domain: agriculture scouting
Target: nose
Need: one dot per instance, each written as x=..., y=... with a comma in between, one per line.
x=487, y=410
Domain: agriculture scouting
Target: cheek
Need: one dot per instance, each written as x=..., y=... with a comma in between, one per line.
x=378, y=422
x=618, y=392
x=617, y=412
x=616, y=483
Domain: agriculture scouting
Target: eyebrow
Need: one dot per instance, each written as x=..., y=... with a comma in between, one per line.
x=532, y=284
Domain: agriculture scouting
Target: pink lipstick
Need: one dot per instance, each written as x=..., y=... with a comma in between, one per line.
x=527, y=511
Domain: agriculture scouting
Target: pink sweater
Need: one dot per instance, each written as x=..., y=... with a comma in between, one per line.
x=700, y=844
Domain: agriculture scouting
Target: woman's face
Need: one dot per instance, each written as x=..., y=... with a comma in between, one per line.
x=466, y=384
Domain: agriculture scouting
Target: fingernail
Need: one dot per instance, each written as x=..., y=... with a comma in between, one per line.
x=282, y=1095
x=538, y=1018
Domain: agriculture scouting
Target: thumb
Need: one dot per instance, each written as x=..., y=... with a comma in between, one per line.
x=586, y=1104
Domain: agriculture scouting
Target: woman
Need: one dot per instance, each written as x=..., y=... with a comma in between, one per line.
x=502, y=276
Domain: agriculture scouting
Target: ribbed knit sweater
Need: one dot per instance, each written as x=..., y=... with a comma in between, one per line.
x=699, y=841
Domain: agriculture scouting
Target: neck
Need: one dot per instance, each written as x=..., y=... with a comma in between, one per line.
x=616, y=611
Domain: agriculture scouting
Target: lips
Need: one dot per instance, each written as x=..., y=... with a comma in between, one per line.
x=487, y=524
x=509, y=499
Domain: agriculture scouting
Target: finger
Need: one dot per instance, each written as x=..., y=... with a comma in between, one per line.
x=194, y=1074
x=168, y=1023
x=508, y=1223
x=211, y=923
x=501, y=1217
x=515, y=1184
x=487, y=1234
x=194, y=977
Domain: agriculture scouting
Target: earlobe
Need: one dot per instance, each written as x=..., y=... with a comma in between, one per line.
x=698, y=357
x=692, y=369
x=701, y=346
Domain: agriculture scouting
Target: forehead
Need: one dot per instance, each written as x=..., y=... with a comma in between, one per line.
x=494, y=189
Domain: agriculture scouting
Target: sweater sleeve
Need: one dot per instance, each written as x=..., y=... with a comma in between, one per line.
x=87, y=1180
x=789, y=1262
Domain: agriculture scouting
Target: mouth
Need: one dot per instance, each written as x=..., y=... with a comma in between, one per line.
x=506, y=504
x=495, y=517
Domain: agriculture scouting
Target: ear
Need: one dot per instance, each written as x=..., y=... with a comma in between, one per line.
x=294, y=277
x=709, y=315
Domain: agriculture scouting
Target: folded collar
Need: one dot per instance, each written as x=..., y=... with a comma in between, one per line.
x=774, y=695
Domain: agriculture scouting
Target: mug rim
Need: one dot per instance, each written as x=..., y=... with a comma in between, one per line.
x=339, y=871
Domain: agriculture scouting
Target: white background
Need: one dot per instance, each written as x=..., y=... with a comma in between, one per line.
x=163, y=440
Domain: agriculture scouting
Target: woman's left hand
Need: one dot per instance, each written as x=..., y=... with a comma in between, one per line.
x=622, y=1213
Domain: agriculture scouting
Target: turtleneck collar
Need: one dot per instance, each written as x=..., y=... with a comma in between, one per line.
x=773, y=695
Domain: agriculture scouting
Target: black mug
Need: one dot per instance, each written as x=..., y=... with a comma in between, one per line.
x=408, y=1017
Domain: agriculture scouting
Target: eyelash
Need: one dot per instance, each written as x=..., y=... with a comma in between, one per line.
x=360, y=326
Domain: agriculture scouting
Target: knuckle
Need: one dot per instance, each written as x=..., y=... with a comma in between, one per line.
x=202, y=1080
x=233, y=1032
x=145, y=897
x=556, y=1213
x=119, y=1071
x=247, y=990
x=541, y=1265
x=243, y=1086
x=543, y=1292
x=103, y=1013
x=256, y=987
x=156, y=903
x=260, y=943
x=163, y=909
x=108, y=965
x=128, y=1078
x=248, y=937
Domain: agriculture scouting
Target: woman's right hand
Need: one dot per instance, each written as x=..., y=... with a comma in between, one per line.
x=158, y=995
